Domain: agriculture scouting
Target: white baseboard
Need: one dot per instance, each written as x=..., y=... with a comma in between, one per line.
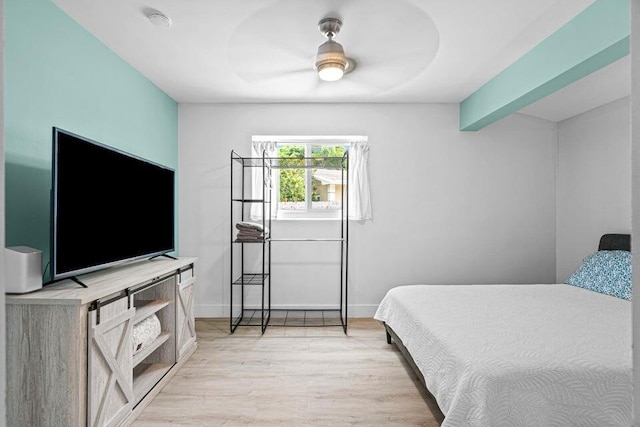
x=222, y=310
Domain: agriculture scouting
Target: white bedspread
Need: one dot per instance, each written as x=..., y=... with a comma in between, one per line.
x=518, y=355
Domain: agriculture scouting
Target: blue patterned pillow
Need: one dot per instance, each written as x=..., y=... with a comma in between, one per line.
x=607, y=272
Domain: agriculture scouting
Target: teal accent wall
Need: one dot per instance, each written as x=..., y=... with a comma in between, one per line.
x=596, y=37
x=58, y=74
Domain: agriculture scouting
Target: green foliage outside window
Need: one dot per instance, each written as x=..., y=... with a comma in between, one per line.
x=292, y=188
x=329, y=151
x=292, y=181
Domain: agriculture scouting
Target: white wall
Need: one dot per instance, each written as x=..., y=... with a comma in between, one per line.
x=448, y=206
x=593, y=183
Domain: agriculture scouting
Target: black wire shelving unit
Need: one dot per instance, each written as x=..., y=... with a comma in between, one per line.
x=243, y=279
x=242, y=276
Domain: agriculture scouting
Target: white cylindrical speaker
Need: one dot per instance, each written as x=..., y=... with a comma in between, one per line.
x=23, y=269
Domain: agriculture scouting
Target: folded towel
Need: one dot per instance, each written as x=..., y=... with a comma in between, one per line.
x=249, y=225
x=244, y=225
x=249, y=235
x=249, y=231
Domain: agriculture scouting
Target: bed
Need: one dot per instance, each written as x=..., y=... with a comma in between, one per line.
x=518, y=355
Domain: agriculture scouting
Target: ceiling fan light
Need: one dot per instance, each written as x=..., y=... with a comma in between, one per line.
x=330, y=72
x=331, y=61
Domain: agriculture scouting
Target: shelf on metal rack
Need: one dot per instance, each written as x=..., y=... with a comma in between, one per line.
x=337, y=163
x=251, y=200
x=306, y=318
x=308, y=239
x=251, y=241
x=252, y=318
x=252, y=162
x=251, y=279
x=291, y=318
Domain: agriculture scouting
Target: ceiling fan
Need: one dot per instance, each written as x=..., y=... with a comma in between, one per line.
x=278, y=51
x=331, y=62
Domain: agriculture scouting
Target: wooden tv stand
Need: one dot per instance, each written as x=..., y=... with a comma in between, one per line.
x=70, y=356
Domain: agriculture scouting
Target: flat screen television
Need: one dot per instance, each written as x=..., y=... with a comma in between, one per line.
x=108, y=206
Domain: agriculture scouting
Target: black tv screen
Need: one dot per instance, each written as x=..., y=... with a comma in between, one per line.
x=108, y=206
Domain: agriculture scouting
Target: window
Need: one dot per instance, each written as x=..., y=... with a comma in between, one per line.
x=313, y=192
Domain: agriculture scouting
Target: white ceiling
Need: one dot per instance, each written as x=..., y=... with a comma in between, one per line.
x=263, y=50
x=605, y=85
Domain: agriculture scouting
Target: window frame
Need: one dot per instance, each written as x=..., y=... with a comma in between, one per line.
x=318, y=214
x=310, y=212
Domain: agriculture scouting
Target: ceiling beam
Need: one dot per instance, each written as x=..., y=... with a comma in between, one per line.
x=595, y=38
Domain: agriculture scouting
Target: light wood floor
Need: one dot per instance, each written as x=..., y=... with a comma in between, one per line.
x=293, y=376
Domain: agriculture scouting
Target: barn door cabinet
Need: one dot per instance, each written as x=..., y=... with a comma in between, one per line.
x=71, y=360
x=186, y=325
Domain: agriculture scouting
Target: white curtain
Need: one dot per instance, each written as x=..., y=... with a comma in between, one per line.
x=359, y=191
x=258, y=150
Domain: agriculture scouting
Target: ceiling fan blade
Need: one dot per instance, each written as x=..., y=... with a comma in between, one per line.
x=362, y=85
x=271, y=53
x=271, y=75
x=296, y=47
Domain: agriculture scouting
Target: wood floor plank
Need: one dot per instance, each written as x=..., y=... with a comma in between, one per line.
x=293, y=376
